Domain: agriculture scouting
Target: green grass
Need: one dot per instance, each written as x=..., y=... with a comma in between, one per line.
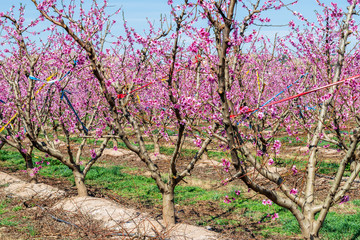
x=8, y=222
x=16, y=208
x=286, y=141
x=324, y=167
x=3, y=207
x=31, y=230
x=169, y=132
x=292, y=141
x=341, y=226
x=11, y=159
x=150, y=147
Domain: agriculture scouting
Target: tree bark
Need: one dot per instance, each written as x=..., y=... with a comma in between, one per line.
x=168, y=207
x=32, y=175
x=80, y=183
x=29, y=167
x=308, y=232
x=156, y=146
x=1, y=144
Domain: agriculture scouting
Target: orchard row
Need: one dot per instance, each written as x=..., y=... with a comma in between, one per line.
x=207, y=76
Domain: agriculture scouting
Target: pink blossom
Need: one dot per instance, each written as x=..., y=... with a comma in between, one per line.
x=271, y=161
x=267, y=202
x=345, y=199
x=275, y=216
x=260, y=115
x=277, y=144
x=203, y=33
x=198, y=142
x=227, y=199
x=293, y=191
x=294, y=169
x=93, y=153
x=226, y=165
x=225, y=182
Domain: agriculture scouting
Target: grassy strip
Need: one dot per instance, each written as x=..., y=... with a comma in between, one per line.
x=327, y=168
x=301, y=141
x=149, y=147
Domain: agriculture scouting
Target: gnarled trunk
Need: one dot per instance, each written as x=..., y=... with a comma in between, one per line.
x=80, y=183
x=310, y=232
x=168, y=206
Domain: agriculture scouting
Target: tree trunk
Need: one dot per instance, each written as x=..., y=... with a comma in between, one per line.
x=29, y=166
x=32, y=175
x=156, y=148
x=156, y=145
x=1, y=144
x=310, y=236
x=309, y=230
x=80, y=183
x=168, y=207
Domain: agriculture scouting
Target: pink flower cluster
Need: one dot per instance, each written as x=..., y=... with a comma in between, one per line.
x=93, y=153
x=198, y=142
x=270, y=161
x=345, y=199
x=267, y=202
x=228, y=200
x=36, y=170
x=277, y=146
x=226, y=165
x=293, y=191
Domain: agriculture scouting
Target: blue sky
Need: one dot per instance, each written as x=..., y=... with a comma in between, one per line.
x=136, y=12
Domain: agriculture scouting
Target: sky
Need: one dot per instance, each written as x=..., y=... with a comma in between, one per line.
x=138, y=11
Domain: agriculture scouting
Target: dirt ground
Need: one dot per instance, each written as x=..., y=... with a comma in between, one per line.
x=36, y=222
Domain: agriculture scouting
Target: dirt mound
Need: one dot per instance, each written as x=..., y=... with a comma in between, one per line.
x=118, y=153
x=129, y=154
x=18, y=188
x=129, y=222
x=7, y=179
x=323, y=153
